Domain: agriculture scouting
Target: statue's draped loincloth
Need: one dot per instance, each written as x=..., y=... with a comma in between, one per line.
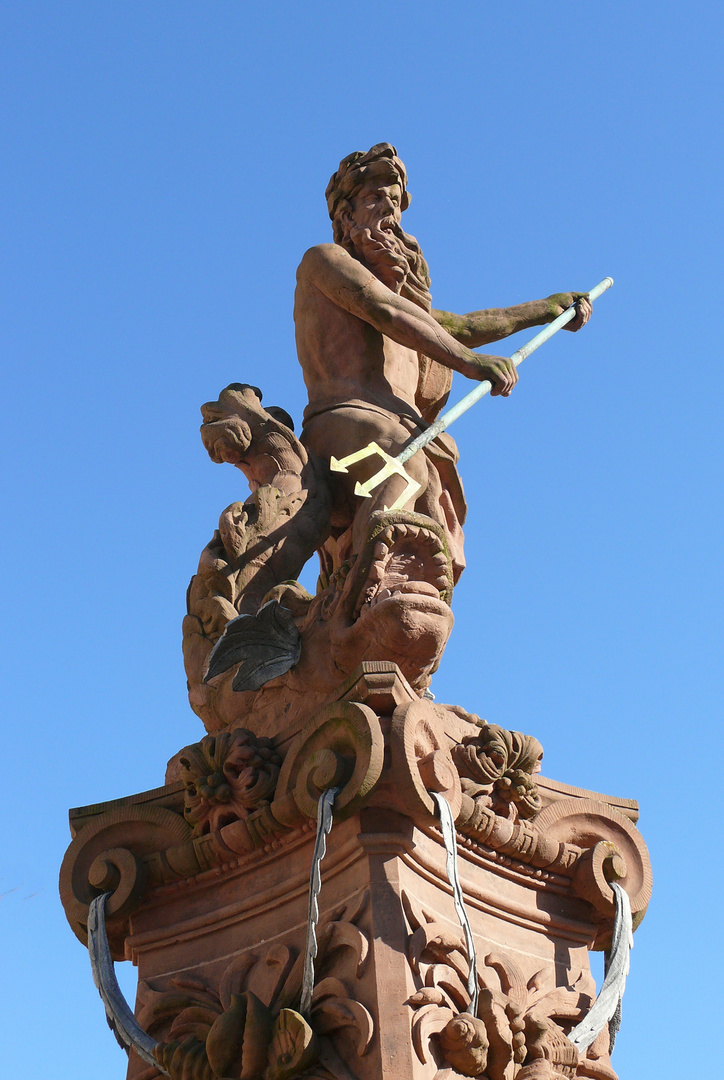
x=443, y=499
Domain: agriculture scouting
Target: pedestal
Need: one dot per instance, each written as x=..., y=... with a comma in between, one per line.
x=209, y=878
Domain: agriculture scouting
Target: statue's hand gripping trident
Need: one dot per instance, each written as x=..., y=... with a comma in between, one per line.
x=395, y=465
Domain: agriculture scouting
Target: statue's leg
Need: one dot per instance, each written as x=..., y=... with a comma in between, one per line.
x=343, y=431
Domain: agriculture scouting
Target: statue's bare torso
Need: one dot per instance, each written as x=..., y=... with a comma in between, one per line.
x=358, y=343
x=359, y=339
x=345, y=358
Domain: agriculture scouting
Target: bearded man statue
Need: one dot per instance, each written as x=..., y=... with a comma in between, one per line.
x=377, y=358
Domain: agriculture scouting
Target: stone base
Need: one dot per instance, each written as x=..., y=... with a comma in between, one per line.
x=215, y=916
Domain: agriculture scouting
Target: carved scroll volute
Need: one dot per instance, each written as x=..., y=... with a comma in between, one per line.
x=342, y=746
x=107, y=856
x=421, y=760
x=615, y=851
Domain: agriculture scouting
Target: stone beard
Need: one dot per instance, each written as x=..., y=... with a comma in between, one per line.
x=393, y=256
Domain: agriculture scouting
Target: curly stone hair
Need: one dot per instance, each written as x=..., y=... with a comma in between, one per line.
x=353, y=173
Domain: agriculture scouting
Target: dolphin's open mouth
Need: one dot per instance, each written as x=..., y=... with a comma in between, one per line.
x=404, y=555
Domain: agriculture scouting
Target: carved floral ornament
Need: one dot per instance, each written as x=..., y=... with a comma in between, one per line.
x=242, y=798
x=239, y=804
x=226, y=777
x=501, y=765
x=247, y=1026
x=241, y=801
x=518, y=1031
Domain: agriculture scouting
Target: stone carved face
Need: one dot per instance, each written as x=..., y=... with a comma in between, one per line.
x=226, y=777
x=377, y=204
x=376, y=237
x=393, y=602
x=225, y=433
x=370, y=228
x=258, y=440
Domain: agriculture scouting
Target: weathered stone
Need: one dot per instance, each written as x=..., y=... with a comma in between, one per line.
x=207, y=878
x=391, y=979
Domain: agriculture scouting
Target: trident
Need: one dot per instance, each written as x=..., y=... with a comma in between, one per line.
x=395, y=465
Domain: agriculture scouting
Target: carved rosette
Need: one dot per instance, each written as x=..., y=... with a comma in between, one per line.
x=227, y=777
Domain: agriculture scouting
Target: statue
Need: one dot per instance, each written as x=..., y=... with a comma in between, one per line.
x=377, y=361
x=438, y=924
x=377, y=358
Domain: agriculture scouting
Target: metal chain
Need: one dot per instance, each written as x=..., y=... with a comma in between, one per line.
x=606, y=1009
x=324, y=824
x=119, y=1014
x=451, y=851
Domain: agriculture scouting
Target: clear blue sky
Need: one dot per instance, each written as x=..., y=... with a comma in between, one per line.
x=163, y=171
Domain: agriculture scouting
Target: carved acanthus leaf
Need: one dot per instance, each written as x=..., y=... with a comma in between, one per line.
x=250, y=1029
x=237, y=1043
x=516, y=1021
x=333, y=1009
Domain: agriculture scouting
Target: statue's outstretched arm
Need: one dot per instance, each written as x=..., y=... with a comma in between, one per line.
x=351, y=286
x=481, y=327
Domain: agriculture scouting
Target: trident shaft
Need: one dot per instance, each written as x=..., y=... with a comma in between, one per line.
x=396, y=465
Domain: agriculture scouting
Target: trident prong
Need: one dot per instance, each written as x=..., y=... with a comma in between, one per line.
x=341, y=464
x=392, y=467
